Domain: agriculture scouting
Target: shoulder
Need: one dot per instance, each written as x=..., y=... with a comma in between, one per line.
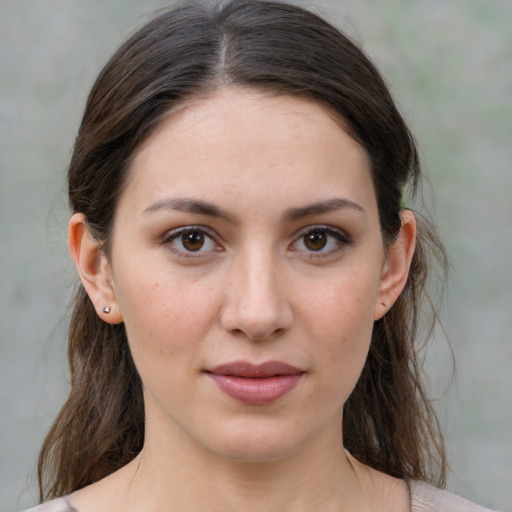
x=57, y=505
x=426, y=498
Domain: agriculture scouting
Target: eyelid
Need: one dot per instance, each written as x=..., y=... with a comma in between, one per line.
x=175, y=232
x=322, y=227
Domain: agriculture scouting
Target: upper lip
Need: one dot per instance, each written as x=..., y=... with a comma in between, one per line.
x=246, y=369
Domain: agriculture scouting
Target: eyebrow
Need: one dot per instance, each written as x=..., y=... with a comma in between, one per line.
x=330, y=205
x=191, y=205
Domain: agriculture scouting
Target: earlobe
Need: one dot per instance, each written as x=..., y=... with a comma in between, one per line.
x=94, y=269
x=397, y=265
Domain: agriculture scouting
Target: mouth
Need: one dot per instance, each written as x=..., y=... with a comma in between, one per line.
x=256, y=384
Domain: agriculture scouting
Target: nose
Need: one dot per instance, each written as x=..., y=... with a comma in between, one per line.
x=256, y=304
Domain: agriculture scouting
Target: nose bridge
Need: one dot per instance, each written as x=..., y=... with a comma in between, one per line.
x=257, y=303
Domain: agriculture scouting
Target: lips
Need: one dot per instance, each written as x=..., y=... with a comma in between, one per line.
x=256, y=384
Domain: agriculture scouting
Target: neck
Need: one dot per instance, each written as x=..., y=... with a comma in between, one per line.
x=319, y=476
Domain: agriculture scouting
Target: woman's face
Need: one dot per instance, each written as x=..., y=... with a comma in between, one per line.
x=248, y=267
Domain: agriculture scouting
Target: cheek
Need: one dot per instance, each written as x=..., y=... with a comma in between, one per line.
x=165, y=318
x=344, y=306
x=341, y=317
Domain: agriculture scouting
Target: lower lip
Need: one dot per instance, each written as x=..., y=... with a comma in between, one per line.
x=256, y=391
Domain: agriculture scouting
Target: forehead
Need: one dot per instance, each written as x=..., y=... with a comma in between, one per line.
x=247, y=145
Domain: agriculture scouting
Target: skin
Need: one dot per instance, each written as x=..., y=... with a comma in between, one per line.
x=254, y=291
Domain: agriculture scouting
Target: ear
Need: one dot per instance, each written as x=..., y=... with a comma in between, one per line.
x=396, y=267
x=93, y=269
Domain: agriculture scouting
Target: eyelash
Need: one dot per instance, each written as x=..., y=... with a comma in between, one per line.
x=342, y=240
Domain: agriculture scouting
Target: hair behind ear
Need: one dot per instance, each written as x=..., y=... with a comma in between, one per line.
x=389, y=422
x=82, y=448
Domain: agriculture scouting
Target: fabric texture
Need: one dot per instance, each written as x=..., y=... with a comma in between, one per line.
x=424, y=498
x=57, y=505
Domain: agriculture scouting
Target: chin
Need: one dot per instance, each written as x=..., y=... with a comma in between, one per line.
x=250, y=442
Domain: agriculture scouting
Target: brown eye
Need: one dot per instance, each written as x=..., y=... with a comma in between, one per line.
x=321, y=242
x=192, y=241
x=315, y=241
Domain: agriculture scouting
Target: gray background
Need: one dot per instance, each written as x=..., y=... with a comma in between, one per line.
x=449, y=65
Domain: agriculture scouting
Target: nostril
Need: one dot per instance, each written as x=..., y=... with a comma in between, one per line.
x=256, y=308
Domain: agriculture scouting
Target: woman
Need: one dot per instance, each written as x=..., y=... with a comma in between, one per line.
x=251, y=285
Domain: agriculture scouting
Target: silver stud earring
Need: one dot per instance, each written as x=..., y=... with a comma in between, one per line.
x=107, y=309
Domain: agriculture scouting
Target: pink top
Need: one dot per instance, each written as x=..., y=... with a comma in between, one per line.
x=424, y=498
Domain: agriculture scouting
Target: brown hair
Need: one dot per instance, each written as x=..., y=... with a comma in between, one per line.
x=191, y=49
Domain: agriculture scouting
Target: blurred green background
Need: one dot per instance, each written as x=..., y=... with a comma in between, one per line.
x=449, y=66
